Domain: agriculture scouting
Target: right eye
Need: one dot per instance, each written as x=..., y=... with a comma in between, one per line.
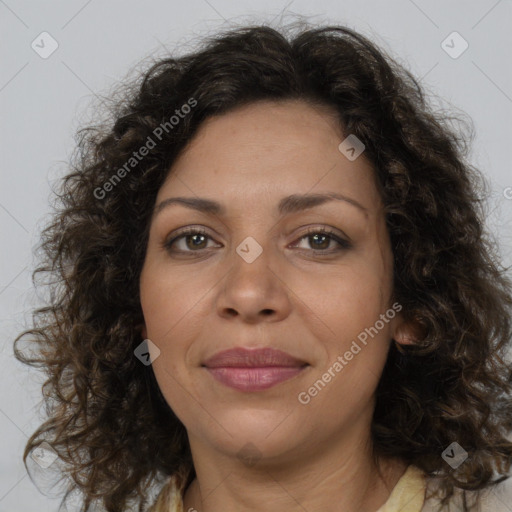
x=194, y=241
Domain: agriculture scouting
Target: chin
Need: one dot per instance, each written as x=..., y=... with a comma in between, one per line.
x=264, y=433
x=259, y=451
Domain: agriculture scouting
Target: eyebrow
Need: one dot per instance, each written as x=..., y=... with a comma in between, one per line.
x=287, y=205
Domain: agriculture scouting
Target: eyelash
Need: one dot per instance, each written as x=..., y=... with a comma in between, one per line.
x=342, y=244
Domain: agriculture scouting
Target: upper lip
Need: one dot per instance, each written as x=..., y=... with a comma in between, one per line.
x=252, y=358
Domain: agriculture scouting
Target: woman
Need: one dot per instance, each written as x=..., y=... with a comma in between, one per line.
x=274, y=292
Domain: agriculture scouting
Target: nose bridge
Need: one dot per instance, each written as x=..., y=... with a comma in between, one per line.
x=252, y=263
x=254, y=231
x=251, y=287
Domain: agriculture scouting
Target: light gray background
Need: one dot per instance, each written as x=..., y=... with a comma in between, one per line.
x=42, y=102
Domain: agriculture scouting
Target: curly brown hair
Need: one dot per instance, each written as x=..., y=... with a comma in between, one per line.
x=108, y=420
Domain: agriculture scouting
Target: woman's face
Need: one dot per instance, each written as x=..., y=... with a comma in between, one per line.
x=260, y=274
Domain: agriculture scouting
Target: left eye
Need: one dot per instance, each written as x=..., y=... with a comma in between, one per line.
x=196, y=240
x=320, y=240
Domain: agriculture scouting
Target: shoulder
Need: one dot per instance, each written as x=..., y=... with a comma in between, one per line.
x=170, y=497
x=497, y=498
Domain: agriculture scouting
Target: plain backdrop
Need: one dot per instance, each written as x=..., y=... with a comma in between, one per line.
x=44, y=100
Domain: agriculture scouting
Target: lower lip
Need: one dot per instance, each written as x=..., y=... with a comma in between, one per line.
x=254, y=379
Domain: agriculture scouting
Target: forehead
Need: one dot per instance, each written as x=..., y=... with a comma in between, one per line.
x=267, y=148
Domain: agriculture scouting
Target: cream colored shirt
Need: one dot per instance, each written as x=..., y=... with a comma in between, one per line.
x=408, y=495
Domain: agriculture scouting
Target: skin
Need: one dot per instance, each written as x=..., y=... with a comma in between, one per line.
x=314, y=456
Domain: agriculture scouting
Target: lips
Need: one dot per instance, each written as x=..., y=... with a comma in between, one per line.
x=253, y=369
x=253, y=358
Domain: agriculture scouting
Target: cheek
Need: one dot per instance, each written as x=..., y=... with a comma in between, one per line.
x=165, y=305
x=173, y=305
x=351, y=308
x=350, y=299
x=167, y=299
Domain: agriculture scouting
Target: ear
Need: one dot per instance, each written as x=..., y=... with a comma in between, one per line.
x=407, y=333
x=141, y=329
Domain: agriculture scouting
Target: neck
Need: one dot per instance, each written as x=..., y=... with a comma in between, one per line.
x=340, y=474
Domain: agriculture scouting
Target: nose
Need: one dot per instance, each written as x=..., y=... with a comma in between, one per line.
x=254, y=292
